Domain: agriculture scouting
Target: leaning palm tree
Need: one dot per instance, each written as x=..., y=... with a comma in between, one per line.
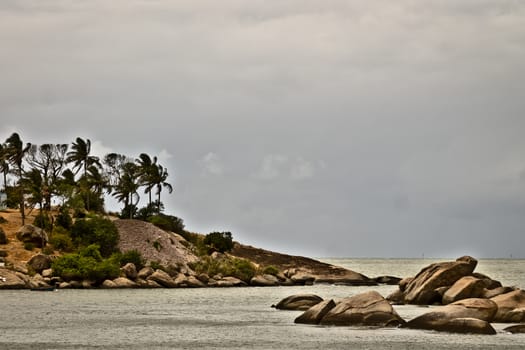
x=147, y=170
x=81, y=159
x=15, y=152
x=4, y=164
x=159, y=178
x=126, y=190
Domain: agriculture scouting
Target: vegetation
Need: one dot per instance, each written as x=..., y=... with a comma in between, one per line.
x=220, y=241
x=239, y=268
x=96, y=230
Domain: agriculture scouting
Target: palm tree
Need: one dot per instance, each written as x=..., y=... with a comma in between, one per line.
x=15, y=155
x=126, y=190
x=81, y=159
x=147, y=169
x=159, y=178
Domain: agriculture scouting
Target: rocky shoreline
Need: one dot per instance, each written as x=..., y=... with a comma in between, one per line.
x=466, y=302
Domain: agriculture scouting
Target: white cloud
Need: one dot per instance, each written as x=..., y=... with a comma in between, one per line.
x=165, y=155
x=272, y=166
x=99, y=149
x=302, y=169
x=211, y=164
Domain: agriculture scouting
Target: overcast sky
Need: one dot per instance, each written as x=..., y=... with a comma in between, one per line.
x=321, y=128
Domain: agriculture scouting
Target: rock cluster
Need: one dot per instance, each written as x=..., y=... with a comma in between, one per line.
x=469, y=303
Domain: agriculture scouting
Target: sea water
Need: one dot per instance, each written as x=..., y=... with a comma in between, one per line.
x=226, y=318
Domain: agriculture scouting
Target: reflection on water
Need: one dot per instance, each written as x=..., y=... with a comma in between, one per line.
x=219, y=318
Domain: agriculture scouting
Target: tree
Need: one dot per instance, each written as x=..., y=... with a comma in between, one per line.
x=126, y=190
x=147, y=168
x=49, y=160
x=4, y=164
x=159, y=177
x=81, y=159
x=15, y=155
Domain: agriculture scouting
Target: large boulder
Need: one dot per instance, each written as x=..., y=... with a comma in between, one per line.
x=162, y=278
x=315, y=314
x=464, y=316
x=129, y=270
x=264, y=281
x=230, y=281
x=123, y=282
x=301, y=302
x=10, y=280
x=519, y=328
x=365, y=309
x=491, y=293
x=511, y=306
x=40, y=262
x=423, y=288
x=32, y=234
x=465, y=287
x=145, y=272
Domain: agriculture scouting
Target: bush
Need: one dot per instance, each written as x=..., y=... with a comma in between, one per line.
x=132, y=256
x=43, y=222
x=88, y=264
x=47, y=250
x=168, y=223
x=3, y=237
x=239, y=268
x=271, y=270
x=61, y=240
x=96, y=231
x=29, y=246
x=221, y=241
x=63, y=219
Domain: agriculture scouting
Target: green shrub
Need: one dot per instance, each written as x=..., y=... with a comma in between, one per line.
x=157, y=245
x=63, y=219
x=221, y=241
x=155, y=265
x=43, y=222
x=239, y=268
x=29, y=246
x=271, y=270
x=47, y=250
x=132, y=256
x=61, y=240
x=97, y=230
x=87, y=264
x=168, y=223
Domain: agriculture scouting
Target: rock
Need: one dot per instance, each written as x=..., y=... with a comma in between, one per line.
x=64, y=285
x=511, y=307
x=300, y=302
x=365, y=309
x=488, y=282
x=491, y=293
x=87, y=284
x=39, y=262
x=315, y=314
x=389, y=280
x=404, y=283
x=47, y=273
x=75, y=284
x=37, y=281
x=194, y=282
x=203, y=277
x=129, y=270
x=10, y=280
x=465, y=287
x=303, y=279
x=230, y=282
x=465, y=316
x=32, y=234
x=3, y=237
x=163, y=279
x=123, y=282
x=145, y=272
x=519, y=328
x=397, y=297
x=147, y=283
x=264, y=281
x=422, y=289
x=108, y=284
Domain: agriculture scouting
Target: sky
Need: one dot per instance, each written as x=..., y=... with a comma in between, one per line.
x=323, y=128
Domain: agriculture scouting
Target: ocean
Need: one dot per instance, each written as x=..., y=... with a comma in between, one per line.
x=226, y=318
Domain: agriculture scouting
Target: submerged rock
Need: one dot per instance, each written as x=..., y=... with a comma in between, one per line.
x=301, y=302
x=365, y=309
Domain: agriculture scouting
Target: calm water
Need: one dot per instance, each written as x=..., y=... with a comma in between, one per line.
x=237, y=318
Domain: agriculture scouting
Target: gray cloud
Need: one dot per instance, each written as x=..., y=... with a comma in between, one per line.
x=323, y=128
